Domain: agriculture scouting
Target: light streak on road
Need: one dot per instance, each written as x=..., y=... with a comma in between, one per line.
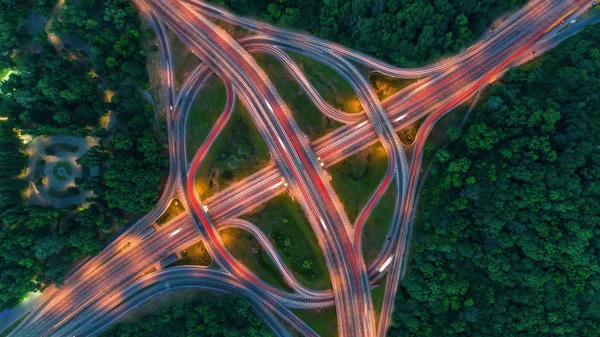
x=386, y=263
x=173, y=233
x=104, y=288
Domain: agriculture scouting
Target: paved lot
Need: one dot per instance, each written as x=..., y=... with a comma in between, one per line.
x=37, y=194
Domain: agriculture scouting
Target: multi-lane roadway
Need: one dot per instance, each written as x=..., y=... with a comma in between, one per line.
x=128, y=271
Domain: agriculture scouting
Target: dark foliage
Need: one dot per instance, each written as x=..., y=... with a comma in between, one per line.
x=508, y=235
x=226, y=316
x=50, y=94
x=406, y=32
x=63, y=92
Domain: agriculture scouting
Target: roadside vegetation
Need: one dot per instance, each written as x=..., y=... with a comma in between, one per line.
x=323, y=321
x=334, y=89
x=175, y=208
x=407, y=33
x=184, y=61
x=310, y=120
x=203, y=114
x=283, y=221
x=238, y=152
x=235, y=31
x=60, y=147
x=194, y=255
x=59, y=85
x=386, y=86
x=377, y=296
x=246, y=249
x=376, y=227
x=13, y=326
x=408, y=134
x=355, y=179
x=507, y=229
x=207, y=315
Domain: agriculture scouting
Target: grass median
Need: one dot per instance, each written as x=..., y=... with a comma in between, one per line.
x=184, y=61
x=310, y=120
x=194, y=255
x=13, y=326
x=284, y=222
x=333, y=88
x=237, y=153
x=323, y=321
x=203, y=114
x=377, y=296
x=246, y=249
x=355, y=179
x=386, y=86
x=175, y=208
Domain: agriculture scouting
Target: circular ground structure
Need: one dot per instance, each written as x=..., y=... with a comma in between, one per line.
x=62, y=171
x=53, y=170
x=232, y=162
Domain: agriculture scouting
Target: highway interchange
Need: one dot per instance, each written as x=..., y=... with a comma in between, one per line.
x=128, y=271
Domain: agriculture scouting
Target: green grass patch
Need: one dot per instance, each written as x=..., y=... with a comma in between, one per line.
x=386, y=86
x=323, y=321
x=438, y=135
x=235, y=31
x=355, y=180
x=61, y=147
x=184, y=61
x=194, y=255
x=332, y=87
x=38, y=173
x=377, y=225
x=18, y=57
x=377, y=296
x=310, y=120
x=356, y=177
x=62, y=170
x=246, y=249
x=284, y=222
x=191, y=313
x=3, y=73
x=68, y=193
x=237, y=153
x=158, y=303
x=203, y=114
x=174, y=209
x=408, y=134
x=13, y=326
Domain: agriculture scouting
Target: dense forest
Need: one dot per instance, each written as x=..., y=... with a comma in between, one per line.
x=226, y=316
x=63, y=90
x=508, y=230
x=405, y=32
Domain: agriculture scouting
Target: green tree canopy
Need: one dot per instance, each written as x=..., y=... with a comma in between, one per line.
x=406, y=32
x=227, y=316
x=508, y=245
